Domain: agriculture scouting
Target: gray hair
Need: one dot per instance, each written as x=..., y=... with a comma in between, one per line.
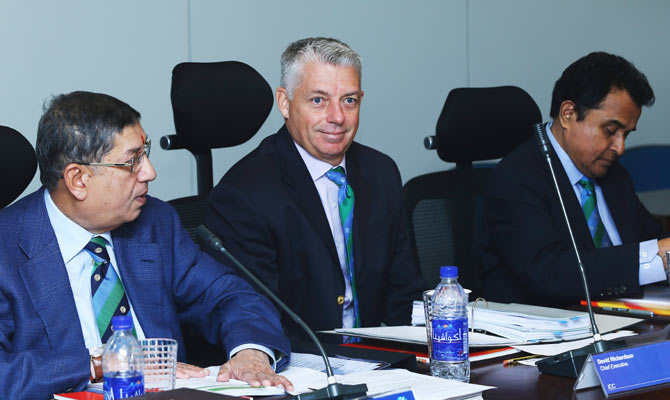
x=319, y=49
x=78, y=127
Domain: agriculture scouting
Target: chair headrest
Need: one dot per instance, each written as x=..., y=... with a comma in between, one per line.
x=484, y=123
x=17, y=164
x=219, y=104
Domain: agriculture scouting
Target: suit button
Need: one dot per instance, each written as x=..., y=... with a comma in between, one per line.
x=340, y=300
x=622, y=290
x=609, y=291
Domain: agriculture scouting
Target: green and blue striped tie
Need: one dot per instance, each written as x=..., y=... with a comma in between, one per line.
x=590, y=209
x=108, y=295
x=345, y=199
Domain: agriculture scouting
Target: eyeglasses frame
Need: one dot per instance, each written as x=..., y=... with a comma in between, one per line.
x=137, y=160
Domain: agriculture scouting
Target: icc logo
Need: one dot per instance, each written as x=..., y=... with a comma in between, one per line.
x=611, y=386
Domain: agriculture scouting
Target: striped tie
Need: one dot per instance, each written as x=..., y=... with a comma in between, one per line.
x=590, y=209
x=345, y=199
x=109, y=297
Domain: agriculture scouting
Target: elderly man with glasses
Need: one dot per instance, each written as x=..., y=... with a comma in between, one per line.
x=92, y=244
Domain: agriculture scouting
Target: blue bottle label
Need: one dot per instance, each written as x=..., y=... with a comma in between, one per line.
x=122, y=388
x=450, y=339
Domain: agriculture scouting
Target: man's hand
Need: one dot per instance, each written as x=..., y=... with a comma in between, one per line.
x=185, y=371
x=663, y=246
x=252, y=366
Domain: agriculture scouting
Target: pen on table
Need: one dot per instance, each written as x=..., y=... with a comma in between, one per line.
x=517, y=359
x=633, y=311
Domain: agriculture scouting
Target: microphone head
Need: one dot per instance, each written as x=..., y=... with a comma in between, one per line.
x=208, y=237
x=544, y=146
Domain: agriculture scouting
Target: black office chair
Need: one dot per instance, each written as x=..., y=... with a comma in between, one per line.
x=215, y=105
x=444, y=209
x=17, y=165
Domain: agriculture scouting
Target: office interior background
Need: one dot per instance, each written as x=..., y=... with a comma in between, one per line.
x=414, y=53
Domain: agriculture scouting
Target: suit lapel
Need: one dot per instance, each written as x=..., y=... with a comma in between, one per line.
x=45, y=277
x=140, y=266
x=622, y=219
x=297, y=177
x=362, y=201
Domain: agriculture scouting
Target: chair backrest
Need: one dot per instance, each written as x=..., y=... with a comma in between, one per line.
x=648, y=166
x=17, y=165
x=215, y=105
x=445, y=209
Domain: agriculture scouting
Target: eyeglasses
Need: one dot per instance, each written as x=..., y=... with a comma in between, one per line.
x=134, y=163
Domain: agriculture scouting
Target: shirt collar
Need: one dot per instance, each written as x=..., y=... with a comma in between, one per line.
x=71, y=237
x=574, y=175
x=317, y=168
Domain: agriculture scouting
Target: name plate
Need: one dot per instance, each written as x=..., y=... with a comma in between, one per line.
x=625, y=370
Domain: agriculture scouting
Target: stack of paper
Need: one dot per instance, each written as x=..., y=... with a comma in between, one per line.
x=526, y=323
x=424, y=387
x=417, y=334
x=304, y=372
x=521, y=322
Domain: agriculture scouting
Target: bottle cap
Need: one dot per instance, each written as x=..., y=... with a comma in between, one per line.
x=122, y=322
x=449, y=272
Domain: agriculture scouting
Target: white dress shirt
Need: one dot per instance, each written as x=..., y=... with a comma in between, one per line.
x=328, y=191
x=651, y=266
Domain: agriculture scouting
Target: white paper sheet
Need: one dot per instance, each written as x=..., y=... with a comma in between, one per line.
x=231, y=388
x=552, y=349
x=341, y=366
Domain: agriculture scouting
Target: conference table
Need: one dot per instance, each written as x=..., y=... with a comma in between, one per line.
x=515, y=381
x=524, y=382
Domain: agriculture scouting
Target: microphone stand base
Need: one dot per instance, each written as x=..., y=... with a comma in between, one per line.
x=334, y=391
x=570, y=363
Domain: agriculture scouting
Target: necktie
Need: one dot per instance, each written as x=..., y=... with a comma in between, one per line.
x=109, y=297
x=590, y=209
x=345, y=200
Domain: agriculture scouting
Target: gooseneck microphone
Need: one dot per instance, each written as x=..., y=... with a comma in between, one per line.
x=570, y=363
x=334, y=390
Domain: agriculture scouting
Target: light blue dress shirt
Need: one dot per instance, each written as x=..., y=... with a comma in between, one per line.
x=72, y=238
x=651, y=266
x=328, y=193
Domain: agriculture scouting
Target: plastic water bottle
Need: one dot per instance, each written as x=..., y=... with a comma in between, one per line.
x=450, y=357
x=122, y=362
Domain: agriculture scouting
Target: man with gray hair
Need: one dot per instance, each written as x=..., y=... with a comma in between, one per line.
x=91, y=244
x=317, y=216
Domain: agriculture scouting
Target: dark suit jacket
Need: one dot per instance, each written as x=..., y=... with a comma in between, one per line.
x=527, y=253
x=268, y=213
x=167, y=278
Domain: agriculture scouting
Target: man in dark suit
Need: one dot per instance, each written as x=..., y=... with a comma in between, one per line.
x=527, y=252
x=92, y=225
x=315, y=215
